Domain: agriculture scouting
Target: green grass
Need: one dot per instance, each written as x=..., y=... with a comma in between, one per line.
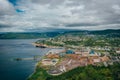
x=81, y=73
x=39, y=74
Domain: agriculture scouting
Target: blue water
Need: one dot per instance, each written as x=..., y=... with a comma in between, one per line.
x=17, y=48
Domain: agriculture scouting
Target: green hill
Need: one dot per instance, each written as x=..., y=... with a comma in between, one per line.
x=33, y=35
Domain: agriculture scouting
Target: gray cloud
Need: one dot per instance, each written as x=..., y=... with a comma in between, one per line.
x=6, y=8
x=80, y=24
x=59, y=14
x=51, y=2
x=4, y=26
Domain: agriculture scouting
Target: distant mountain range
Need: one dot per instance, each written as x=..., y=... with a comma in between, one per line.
x=34, y=35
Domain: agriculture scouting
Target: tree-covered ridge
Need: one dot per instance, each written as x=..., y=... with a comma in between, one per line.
x=31, y=35
x=81, y=73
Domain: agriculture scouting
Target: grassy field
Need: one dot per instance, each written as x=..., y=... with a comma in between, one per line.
x=81, y=73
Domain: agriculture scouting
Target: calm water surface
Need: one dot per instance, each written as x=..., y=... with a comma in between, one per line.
x=18, y=48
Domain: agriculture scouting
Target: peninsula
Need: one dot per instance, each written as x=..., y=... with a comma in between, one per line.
x=76, y=56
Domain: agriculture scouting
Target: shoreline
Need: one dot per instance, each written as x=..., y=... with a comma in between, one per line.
x=32, y=72
x=41, y=71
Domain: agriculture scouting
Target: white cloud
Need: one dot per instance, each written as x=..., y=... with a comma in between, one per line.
x=6, y=8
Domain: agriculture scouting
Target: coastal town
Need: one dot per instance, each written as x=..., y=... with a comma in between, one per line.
x=69, y=52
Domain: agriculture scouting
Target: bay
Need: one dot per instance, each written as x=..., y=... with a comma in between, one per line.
x=18, y=48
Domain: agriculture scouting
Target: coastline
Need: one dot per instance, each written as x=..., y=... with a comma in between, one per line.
x=36, y=70
x=32, y=72
x=41, y=71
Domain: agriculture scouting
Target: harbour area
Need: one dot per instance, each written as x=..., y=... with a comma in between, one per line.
x=59, y=60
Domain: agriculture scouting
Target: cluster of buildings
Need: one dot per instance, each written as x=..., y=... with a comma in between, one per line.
x=66, y=59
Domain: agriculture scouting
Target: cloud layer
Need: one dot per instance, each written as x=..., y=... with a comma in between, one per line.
x=47, y=15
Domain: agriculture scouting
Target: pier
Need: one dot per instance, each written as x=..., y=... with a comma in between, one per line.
x=36, y=58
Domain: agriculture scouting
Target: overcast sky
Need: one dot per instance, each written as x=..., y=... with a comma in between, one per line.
x=48, y=15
